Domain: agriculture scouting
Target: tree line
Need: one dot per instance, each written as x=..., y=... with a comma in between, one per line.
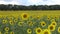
x=31, y=7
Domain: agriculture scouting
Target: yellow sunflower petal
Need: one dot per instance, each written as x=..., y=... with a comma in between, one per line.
x=5, y=32
x=29, y=31
x=11, y=22
x=6, y=28
x=38, y=30
x=11, y=32
x=51, y=27
x=30, y=23
x=4, y=21
x=43, y=24
x=46, y=31
x=54, y=23
x=20, y=23
x=24, y=16
x=59, y=29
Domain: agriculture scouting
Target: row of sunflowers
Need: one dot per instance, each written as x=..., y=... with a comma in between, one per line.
x=29, y=24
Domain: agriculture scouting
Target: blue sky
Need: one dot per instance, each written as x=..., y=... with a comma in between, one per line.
x=31, y=2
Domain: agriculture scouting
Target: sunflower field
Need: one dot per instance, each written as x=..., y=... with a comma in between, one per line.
x=29, y=22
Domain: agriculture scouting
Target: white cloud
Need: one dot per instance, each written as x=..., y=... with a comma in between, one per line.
x=34, y=1
x=10, y=2
x=56, y=2
x=30, y=2
x=44, y=2
x=52, y=2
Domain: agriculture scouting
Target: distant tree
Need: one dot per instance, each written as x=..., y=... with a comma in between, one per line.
x=31, y=7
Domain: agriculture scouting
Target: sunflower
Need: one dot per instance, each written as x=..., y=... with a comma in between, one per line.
x=24, y=16
x=59, y=29
x=48, y=17
x=43, y=24
x=5, y=32
x=29, y=31
x=11, y=32
x=20, y=23
x=38, y=30
x=11, y=22
x=4, y=21
x=38, y=17
x=54, y=23
x=15, y=20
x=6, y=28
x=30, y=23
x=0, y=32
x=46, y=31
x=53, y=20
x=10, y=17
x=51, y=27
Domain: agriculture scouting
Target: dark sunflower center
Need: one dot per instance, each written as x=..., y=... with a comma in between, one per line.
x=45, y=32
x=12, y=33
x=29, y=30
x=38, y=30
x=48, y=18
x=21, y=23
x=43, y=24
x=51, y=27
x=24, y=15
x=53, y=23
x=59, y=29
x=7, y=29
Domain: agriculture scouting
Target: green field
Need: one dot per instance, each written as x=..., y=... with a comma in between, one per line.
x=30, y=22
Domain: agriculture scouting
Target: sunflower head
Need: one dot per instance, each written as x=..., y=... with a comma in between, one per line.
x=29, y=31
x=5, y=32
x=10, y=17
x=46, y=31
x=20, y=23
x=6, y=28
x=54, y=23
x=11, y=32
x=4, y=21
x=30, y=23
x=48, y=17
x=51, y=27
x=11, y=22
x=52, y=20
x=43, y=24
x=59, y=29
x=38, y=30
x=38, y=17
x=25, y=16
x=15, y=20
